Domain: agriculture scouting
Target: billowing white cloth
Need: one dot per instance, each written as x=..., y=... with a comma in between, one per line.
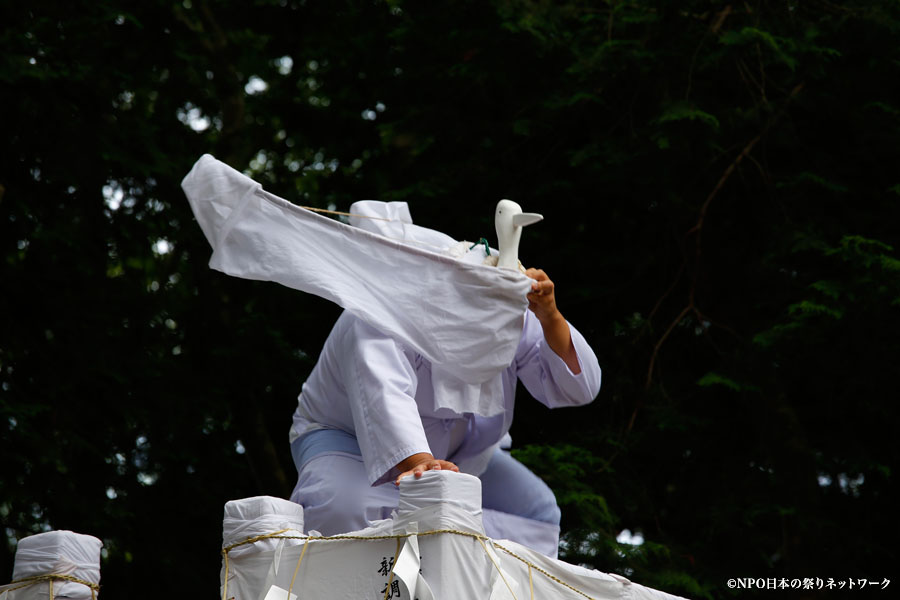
x=465, y=318
x=55, y=553
x=393, y=220
x=458, y=563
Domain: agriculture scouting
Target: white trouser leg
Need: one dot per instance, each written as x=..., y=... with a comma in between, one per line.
x=519, y=506
x=336, y=496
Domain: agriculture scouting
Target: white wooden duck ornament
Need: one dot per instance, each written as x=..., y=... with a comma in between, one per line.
x=509, y=221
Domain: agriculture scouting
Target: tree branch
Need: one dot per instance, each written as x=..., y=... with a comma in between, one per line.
x=697, y=230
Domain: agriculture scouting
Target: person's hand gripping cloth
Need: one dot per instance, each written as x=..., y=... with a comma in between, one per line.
x=466, y=318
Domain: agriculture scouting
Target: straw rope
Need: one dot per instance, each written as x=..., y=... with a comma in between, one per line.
x=387, y=588
x=553, y=578
x=297, y=568
x=400, y=536
x=28, y=581
x=251, y=540
x=500, y=571
x=406, y=241
x=343, y=214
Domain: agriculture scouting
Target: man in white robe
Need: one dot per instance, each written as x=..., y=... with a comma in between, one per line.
x=367, y=417
x=374, y=409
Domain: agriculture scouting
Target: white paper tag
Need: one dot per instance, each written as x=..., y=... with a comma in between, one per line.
x=407, y=570
x=277, y=593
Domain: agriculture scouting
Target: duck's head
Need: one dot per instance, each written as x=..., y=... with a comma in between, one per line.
x=509, y=221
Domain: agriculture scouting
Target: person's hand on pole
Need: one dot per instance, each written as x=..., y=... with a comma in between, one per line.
x=542, y=302
x=417, y=464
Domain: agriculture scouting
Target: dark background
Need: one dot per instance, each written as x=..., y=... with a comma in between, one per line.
x=721, y=195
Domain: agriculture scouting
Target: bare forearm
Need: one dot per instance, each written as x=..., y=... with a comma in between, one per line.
x=542, y=302
x=559, y=338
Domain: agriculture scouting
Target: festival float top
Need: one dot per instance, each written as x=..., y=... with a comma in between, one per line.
x=434, y=547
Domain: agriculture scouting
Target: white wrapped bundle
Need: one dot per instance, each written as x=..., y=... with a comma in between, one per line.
x=57, y=565
x=246, y=530
x=261, y=515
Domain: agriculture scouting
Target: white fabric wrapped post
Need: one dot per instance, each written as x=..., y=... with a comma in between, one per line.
x=261, y=515
x=445, y=501
x=56, y=565
x=433, y=548
x=254, y=519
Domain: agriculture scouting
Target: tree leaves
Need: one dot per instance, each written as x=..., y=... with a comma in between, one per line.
x=682, y=112
x=712, y=379
x=720, y=199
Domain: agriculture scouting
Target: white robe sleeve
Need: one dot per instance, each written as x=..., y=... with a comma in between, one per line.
x=380, y=381
x=546, y=375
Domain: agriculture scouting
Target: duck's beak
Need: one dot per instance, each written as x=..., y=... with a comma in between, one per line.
x=523, y=219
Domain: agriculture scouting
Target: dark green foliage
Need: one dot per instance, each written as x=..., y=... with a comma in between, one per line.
x=722, y=200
